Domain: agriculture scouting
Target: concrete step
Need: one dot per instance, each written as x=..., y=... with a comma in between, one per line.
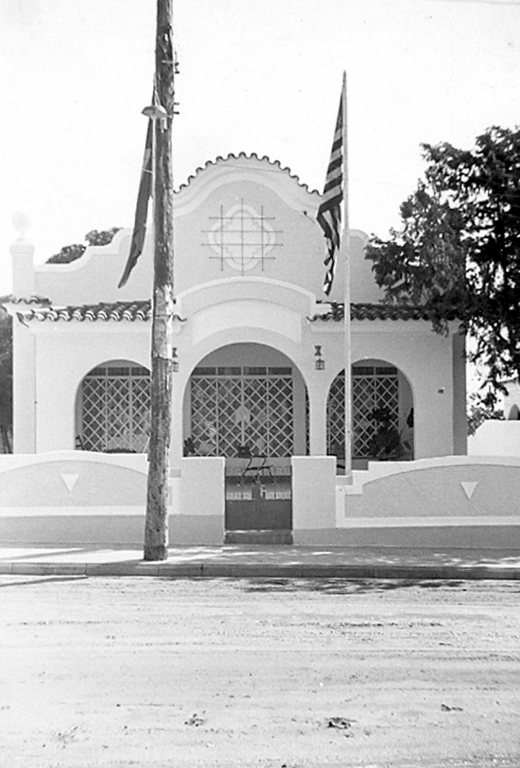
x=259, y=537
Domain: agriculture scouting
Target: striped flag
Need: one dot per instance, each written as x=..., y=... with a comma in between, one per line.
x=329, y=212
x=141, y=210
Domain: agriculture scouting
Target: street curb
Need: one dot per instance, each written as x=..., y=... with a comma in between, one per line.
x=264, y=570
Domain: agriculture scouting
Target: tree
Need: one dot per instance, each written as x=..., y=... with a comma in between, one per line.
x=457, y=253
x=478, y=412
x=72, y=252
x=6, y=379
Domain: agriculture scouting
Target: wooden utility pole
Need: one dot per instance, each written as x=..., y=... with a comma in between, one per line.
x=156, y=526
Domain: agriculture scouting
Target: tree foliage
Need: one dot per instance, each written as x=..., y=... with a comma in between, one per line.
x=72, y=252
x=457, y=252
x=478, y=412
x=6, y=370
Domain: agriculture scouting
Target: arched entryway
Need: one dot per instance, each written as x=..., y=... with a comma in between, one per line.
x=246, y=399
x=382, y=414
x=113, y=408
x=248, y=404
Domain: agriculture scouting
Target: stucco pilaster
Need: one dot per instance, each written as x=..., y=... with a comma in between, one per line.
x=178, y=419
x=460, y=423
x=24, y=392
x=317, y=417
x=22, y=255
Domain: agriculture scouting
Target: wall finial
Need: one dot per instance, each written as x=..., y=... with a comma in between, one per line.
x=22, y=224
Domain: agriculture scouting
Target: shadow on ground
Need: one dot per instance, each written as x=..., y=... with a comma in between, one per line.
x=344, y=586
x=19, y=581
x=334, y=586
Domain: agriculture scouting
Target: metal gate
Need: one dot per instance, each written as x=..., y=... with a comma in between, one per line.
x=246, y=415
x=237, y=410
x=258, y=494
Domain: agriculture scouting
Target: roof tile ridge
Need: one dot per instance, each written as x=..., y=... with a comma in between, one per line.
x=243, y=155
x=33, y=299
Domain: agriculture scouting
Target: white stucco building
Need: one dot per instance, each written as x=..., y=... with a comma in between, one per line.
x=260, y=352
x=249, y=318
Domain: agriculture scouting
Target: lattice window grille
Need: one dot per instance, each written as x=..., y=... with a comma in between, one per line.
x=372, y=387
x=115, y=409
x=241, y=237
x=336, y=417
x=233, y=407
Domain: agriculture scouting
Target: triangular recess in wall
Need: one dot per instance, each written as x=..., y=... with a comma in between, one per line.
x=469, y=488
x=70, y=481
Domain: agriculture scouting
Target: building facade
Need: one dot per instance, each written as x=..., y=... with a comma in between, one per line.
x=260, y=352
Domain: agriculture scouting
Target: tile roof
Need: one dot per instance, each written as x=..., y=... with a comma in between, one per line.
x=141, y=310
x=11, y=299
x=335, y=311
x=105, y=311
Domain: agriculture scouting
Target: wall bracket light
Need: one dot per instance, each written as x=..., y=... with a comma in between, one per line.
x=319, y=362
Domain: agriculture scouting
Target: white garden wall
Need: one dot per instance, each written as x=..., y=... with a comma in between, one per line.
x=495, y=438
x=76, y=498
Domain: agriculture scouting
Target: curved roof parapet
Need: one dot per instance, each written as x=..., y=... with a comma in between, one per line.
x=245, y=168
x=275, y=164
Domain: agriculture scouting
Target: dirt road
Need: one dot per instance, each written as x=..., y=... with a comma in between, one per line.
x=153, y=672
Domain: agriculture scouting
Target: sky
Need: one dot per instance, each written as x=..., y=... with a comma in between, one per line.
x=259, y=76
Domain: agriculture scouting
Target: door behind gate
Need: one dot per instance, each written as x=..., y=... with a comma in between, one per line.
x=246, y=415
x=258, y=494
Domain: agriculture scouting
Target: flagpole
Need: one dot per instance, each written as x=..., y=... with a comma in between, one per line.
x=345, y=248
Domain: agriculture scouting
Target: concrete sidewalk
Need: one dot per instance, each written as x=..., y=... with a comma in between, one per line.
x=245, y=561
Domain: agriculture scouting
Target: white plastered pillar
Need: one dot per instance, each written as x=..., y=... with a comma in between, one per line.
x=177, y=427
x=24, y=352
x=24, y=389
x=317, y=390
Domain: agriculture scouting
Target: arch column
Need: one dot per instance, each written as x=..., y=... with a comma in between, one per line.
x=179, y=384
x=318, y=393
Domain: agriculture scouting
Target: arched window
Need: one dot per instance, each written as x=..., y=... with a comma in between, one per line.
x=246, y=398
x=114, y=409
x=249, y=407
x=514, y=414
x=382, y=413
